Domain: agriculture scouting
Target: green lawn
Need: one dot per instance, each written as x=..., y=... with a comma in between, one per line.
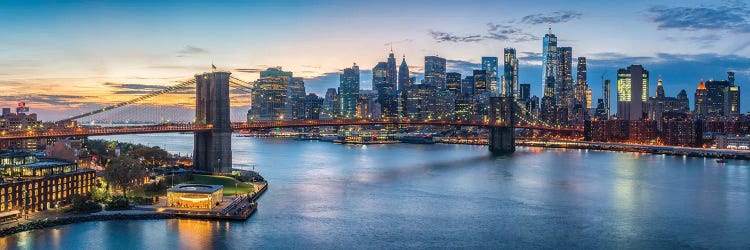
x=228, y=182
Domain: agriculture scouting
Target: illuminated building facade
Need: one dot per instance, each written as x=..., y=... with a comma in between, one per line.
x=269, y=97
x=606, y=98
x=701, y=100
x=490, y=65
x=453, y=82
x=295, y=95
x=434, y=71
x=330, y=107
x=404, y=82
x=510, y=73
x=632, y=93
x=564, y=81
x=30, y=185
x=311, y=107
x=467, y=86
x=480, y=81
x=196, y=196
x=549, y=63
x=349, y=92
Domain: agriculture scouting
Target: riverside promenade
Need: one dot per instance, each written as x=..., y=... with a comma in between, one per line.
x=48, y=219
x=240, y=209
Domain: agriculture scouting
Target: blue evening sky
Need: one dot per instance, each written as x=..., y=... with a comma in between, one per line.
x=75, y=52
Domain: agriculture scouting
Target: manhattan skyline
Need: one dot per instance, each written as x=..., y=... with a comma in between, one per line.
x=81, y=55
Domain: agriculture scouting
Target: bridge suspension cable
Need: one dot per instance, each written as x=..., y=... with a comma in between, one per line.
x=179, y=86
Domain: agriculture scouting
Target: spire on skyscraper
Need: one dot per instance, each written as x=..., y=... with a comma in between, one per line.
x=659, y=89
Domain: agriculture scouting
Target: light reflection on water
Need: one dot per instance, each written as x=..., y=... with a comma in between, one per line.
x=324, y=195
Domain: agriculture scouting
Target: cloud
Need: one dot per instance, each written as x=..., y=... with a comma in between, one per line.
x=194, y=68
x=134, y=86
x=503, y=32
x=529, y=57
x=497, y=32
x=399, y=42
x=440, y=36
x=190, y=50
x=142, y=89
x=55, y=100
x=249, y=70
x=550, y=18
x=508, y=33
x=703, y=41
x=730, y=17
x=461, y=66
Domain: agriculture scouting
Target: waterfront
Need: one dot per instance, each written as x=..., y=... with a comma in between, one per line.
x=325, y=195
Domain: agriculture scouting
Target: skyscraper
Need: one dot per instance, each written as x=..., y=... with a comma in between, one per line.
x=381, y=81
x=480, y=81
x=489, y=64
x=564, y=87
x=403, y=75
x=349, y=91
x=380, y=84
x=524, y=92
x=467, y=86
x=453, y=82
x=379, y=77
x=659, y=88
x=391, y=75
x=606, y=95
x=732, y=97
x=716, y=98
x=270, y=95
x=434, y=71
x=683, y=104
x=701, y=100
x=582, y=85
x=549, y=63
x=660, y=104
x=601, y=114
x=311, y=107
x=295, y=96
x=330, y=107
x=404, y=82
x=510, y=73
x=732, y=101
x=632, y=92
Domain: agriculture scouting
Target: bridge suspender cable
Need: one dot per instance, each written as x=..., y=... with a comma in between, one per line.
x=134, y=100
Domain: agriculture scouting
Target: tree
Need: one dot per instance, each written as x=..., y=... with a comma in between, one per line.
x=124, y=172
x=152, y=156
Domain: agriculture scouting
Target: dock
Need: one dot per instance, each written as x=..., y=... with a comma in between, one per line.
x=239, y=207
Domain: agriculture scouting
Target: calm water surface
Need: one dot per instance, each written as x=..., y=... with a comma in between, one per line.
x=324, y=195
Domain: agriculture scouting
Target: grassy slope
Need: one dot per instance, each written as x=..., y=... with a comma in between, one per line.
x=242, y=188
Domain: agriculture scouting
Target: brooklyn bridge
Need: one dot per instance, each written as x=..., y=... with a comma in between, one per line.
x=212, y=126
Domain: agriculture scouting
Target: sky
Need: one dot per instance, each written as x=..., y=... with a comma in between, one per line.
x=68, y=57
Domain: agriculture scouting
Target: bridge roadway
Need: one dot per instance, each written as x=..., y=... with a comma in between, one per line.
x=175, y=127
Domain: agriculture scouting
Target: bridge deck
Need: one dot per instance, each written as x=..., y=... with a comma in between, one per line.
x=172, y=128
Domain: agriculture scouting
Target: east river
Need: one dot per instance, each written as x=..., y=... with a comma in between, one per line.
x=324, y=195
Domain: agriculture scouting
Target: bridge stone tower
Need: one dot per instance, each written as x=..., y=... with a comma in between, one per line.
x=502, y=139
x=212, y=150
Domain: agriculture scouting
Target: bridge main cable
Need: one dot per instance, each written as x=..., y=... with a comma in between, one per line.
x=131, y=101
